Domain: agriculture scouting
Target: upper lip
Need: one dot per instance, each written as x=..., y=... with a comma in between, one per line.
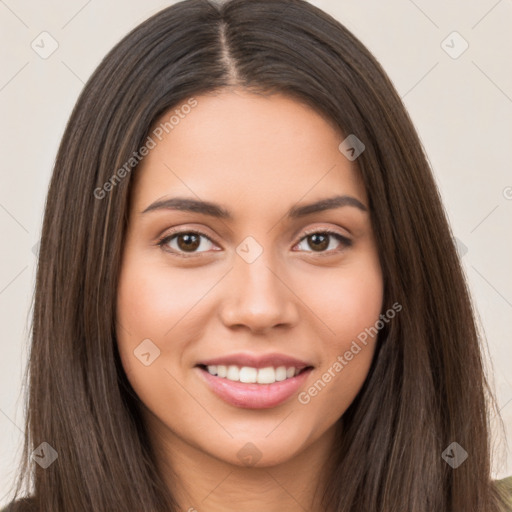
x=256, y=361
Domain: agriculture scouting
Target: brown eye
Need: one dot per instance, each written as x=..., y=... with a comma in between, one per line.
x=188, y=241
x=319, y=241
x=185, y=243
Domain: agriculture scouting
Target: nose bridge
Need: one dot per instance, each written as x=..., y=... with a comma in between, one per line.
x=259, y=278
x=258, y=297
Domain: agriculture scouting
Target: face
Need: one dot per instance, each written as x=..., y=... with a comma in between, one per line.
x=241, y=321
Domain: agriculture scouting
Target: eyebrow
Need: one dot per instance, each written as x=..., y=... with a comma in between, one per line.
x=215, y=210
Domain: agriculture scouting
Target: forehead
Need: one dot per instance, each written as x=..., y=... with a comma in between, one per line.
x=245, y=148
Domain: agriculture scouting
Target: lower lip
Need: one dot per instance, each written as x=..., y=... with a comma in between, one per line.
x=254, y=396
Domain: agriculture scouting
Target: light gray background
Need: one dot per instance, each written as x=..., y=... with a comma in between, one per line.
x=461, y=107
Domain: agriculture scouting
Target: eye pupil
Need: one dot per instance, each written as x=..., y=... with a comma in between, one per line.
x=191, y=241
x=316, y=237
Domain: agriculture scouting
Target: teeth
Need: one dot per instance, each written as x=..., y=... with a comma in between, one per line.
x=247, y=374
x=280, y=373
x=233, y=373
x=267, y=375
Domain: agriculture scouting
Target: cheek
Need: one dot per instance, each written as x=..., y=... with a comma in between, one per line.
x=157, y=304
x=349, y=305
x=146, y=309
x=152, y=300
x=346, y=301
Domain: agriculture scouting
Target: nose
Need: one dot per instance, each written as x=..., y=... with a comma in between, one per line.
x=258, y=297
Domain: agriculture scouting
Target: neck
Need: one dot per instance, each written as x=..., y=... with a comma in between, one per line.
x=200, y=482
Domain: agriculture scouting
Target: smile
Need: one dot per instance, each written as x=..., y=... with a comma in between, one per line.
x=251, y=375
x=253, y=388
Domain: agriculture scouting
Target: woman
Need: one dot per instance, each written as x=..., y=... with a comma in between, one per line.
x=248, y=296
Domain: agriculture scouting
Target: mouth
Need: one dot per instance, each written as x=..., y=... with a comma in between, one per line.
x=252, y=387
x=252, y=375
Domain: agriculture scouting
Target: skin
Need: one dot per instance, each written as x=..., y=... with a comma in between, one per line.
x=256, y=156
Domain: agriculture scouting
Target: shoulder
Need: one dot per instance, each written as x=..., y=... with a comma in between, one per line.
x=505, y=485
x=21, y=505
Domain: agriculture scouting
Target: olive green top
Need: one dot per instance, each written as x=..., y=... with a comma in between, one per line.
x=505, y=484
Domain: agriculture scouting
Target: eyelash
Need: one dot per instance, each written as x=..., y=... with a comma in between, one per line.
x=167, y=238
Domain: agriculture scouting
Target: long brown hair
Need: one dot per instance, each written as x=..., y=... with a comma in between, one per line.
x=426, y=387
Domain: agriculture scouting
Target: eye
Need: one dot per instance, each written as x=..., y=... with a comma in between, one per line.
x=187, y=243
x=320, y=240
x=184, y=242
